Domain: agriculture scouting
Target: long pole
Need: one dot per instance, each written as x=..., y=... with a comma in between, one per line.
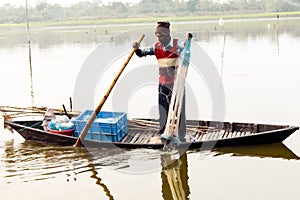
x=29, y=51
x=97, y=110
x=173, y=120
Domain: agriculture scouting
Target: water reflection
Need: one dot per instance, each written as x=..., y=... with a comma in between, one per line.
x=203, y=31
x=99, y=182
x=174, y=177
x=174, y=172
x=30, y=161
x=34, y=162
x=93, y=167
x=261, y=151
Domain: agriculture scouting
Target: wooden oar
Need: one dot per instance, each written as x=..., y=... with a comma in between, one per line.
x=97, y=110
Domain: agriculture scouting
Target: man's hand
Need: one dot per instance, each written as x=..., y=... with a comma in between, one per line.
x=137, y=49
x=135, y=45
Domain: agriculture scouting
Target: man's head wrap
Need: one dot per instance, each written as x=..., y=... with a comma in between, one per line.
x=163, y=28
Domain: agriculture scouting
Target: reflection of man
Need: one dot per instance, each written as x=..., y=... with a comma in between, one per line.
x=167, y=51
x=174, y=177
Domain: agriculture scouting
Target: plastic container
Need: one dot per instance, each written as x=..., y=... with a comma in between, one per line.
x=108, y=126
x=63, y=132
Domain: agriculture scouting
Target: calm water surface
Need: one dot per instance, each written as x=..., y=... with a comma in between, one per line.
x=258, y=66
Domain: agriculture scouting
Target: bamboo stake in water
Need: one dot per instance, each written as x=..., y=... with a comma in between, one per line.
x=97, y=110
x=29, y=51
x=221, y=23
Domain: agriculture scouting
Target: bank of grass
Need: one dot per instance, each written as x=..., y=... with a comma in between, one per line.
x=155, y=19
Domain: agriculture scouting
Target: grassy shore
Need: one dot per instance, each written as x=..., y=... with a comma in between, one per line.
x=154, y=19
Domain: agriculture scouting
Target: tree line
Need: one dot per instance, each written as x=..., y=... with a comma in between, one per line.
x=43, y=11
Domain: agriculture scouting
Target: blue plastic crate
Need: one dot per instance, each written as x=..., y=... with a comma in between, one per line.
x=108, y=126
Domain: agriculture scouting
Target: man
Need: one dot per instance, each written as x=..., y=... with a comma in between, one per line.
x=167, y=51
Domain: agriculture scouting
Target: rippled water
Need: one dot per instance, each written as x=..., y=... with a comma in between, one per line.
x=32, y=170
x=27, y=164
x=260, y=75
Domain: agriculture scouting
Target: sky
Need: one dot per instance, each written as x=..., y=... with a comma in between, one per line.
x=61, y=2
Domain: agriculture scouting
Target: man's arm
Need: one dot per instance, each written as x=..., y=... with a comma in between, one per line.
x=143, y=52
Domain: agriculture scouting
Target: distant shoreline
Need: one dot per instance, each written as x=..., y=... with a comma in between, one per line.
x=122, y=21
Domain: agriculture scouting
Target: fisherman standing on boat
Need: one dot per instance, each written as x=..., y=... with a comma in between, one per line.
x=167, y=51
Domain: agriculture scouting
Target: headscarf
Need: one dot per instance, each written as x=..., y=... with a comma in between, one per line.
x=163, y=28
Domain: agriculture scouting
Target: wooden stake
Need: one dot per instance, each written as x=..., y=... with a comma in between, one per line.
x=71, y=104
x=97, y=110
x=29, y=51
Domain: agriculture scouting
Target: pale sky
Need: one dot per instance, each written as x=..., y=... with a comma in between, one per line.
x=61, y=2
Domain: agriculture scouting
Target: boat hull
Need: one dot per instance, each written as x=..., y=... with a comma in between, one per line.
x=30, y=131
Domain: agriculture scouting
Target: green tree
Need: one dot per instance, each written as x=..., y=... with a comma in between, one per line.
x=44, y=11
x=158, y=8
x=192, y=5
x=118, y=7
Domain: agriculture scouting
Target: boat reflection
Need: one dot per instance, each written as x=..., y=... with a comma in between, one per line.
x=174, y=177
x=278, y=150
x=32, y=161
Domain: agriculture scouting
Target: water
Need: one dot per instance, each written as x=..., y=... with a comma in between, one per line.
x=259, y=72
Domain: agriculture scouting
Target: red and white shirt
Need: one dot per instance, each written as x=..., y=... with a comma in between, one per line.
x=167, y=58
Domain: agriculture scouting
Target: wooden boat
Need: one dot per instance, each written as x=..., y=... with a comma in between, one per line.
x=200, y=134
